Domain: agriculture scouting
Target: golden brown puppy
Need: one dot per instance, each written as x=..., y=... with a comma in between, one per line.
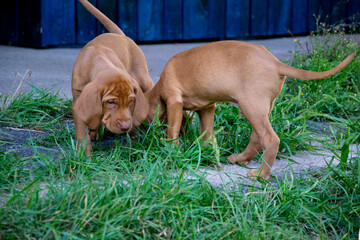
x=109, y=77
x=228, y=71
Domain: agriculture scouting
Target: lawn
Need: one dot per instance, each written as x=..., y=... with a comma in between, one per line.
x=142, y=190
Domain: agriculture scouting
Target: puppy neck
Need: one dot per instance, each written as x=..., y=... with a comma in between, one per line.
x=154, y=102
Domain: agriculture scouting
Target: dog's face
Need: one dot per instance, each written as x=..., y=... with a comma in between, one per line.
x=118, y=103
x=112, y=102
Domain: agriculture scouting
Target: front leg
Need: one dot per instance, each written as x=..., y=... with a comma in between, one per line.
x=82, y=135
x=174, y=117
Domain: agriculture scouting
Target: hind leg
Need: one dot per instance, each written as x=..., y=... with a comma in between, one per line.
x=269, y=143
x=206, y=117
x=252, y=149
x=264, y=138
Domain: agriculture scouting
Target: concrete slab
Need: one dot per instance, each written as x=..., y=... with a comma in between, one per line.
x=52, y=68
x=230, y=175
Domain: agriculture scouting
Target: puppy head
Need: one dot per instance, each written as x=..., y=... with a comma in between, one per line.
x=111, y=102
x=118, y=103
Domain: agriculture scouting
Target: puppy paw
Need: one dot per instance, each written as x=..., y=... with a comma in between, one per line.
x=236, y=158
x=254, y=174
x=94, y=135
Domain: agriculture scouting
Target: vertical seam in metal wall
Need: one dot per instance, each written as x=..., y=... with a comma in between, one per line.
x=162, y=28
x=42, y=13
x=307, y=15
x=182, y=21
x=63, y=33
x=98, y=25
x=17, y=22
x=250, y=18
x=117, y=15
x=96, y=21
x=347, y=12
x=267, y=18
x=76, y=20
x=291, y=18
x=224, y=21
x=136, y=21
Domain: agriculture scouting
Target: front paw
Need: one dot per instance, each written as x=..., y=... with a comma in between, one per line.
x=254, y=174
x=94, y=135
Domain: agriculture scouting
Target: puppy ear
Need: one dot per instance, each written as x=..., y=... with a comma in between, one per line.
x=141, y=106
x=88, y=107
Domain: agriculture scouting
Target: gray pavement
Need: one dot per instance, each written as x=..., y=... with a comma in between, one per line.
x=51, y=68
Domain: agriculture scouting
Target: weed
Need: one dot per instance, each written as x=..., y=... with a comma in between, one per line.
x=338, y=95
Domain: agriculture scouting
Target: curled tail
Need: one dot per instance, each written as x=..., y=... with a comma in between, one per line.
x=108, y=24
x=286, y=70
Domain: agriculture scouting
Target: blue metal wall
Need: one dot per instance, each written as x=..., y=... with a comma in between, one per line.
x=56, y=22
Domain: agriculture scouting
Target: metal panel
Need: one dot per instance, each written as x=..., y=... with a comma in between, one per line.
x=279, y=17
x=299, y=20
x=57, y=22
x=216, y=21
x=42, y=23
x=353, y=8
x=127, y=19
x=196, y=14
x=150, y=20
x=86, y=23
x=107, y=7
x=237, y=18
x=259, y=17
x=318, y=12
x=9, y=27
x=172, y=25
x=29, y=22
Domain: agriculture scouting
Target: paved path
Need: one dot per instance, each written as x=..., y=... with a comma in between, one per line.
x=52, y=67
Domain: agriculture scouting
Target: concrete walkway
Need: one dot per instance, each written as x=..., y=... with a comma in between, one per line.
x=52, y=67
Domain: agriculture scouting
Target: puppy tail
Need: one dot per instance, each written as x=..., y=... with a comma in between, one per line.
x=286, y=70
x=109, y=25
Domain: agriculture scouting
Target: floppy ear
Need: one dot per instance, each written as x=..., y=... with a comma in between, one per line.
x=88, y=106
x=141, y=106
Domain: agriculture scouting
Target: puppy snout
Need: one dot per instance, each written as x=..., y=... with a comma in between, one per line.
x=124, y=125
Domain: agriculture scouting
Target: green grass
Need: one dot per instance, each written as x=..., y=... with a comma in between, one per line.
x=39, y=109
x=142, y=190
x=152, y=198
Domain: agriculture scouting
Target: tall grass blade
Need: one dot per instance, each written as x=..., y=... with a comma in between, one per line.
x=344, y=155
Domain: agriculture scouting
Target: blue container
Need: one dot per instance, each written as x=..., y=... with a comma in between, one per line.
x=42, y=23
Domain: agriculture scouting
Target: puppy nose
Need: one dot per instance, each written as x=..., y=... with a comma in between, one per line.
x=124, y=125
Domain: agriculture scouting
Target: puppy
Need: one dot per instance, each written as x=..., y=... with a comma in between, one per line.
x=228, y=71
x=109, y=77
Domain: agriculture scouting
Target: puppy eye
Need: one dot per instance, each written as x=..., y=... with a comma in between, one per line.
x=111, y=101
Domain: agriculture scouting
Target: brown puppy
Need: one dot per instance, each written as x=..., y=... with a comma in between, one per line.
x=228, y=71
x=109, y=77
